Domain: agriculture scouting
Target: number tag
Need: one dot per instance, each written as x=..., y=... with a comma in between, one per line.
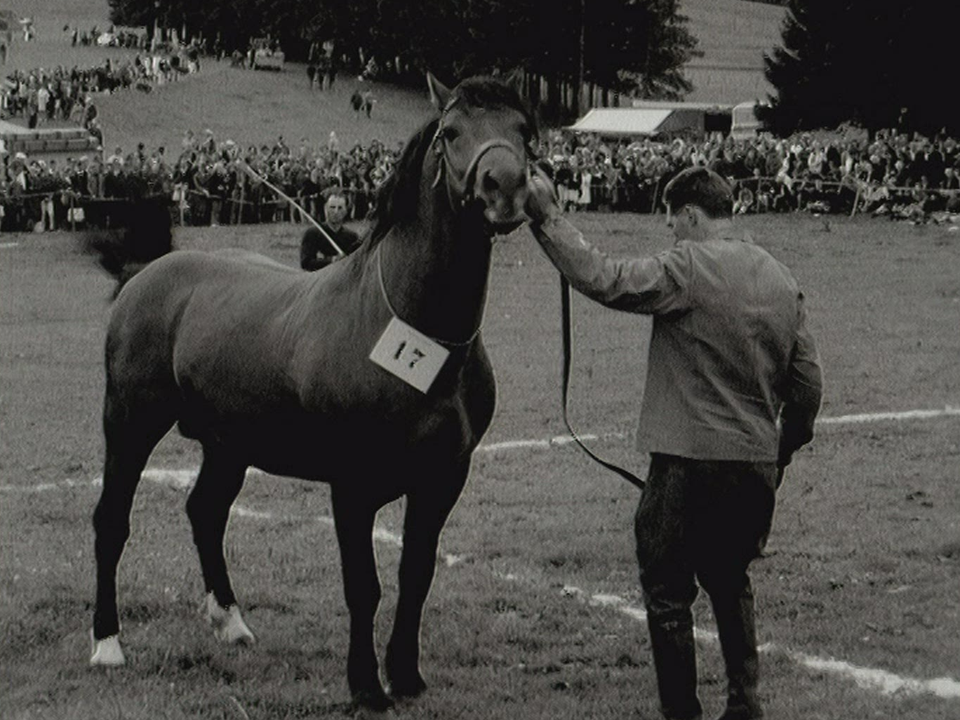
x=409, y=354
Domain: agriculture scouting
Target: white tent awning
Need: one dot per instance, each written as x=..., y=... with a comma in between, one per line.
x=622, y=121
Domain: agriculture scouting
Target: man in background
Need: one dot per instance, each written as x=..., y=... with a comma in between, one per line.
x=316, y=251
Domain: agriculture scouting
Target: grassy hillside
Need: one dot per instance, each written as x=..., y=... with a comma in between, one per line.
x=733, y=36
x=251, y=106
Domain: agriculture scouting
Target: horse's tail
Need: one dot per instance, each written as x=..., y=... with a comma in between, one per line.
x=143, y=233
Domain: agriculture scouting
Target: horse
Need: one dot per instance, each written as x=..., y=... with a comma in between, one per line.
x=369, y=374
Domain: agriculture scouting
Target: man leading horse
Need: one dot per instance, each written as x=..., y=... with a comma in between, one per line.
x=732, y=390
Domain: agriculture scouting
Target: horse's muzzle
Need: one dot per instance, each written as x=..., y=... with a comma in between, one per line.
x=501, y=185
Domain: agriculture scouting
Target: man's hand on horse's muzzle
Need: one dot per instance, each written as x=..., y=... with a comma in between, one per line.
x=541, y=199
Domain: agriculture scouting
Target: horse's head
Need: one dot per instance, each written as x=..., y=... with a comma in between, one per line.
x=483, y=143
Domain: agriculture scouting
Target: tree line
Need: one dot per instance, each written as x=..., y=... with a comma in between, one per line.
x=868, y=63
x=635, y=47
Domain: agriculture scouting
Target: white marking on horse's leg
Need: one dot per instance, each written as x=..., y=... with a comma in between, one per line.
x=107, y=652
x=228, y=624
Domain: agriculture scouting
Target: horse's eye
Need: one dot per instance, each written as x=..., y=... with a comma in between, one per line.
x=449, y=134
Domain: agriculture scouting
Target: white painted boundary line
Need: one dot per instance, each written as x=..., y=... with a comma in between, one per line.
x=6, y=245
x=182, y=478
x=557, y=441
x=882, y=681
x=857, y=419
x=947, y=411
x=885, y=682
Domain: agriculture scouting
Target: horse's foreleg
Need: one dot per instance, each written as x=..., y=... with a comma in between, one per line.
x=426, y=513
x=354, y=517
x=208, y=508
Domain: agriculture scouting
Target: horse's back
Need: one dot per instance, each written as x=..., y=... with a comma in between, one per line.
x=207, y=290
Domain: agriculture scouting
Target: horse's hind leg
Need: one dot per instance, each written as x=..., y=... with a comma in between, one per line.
x=426, y=513
x=208, y=508
x=131, y=434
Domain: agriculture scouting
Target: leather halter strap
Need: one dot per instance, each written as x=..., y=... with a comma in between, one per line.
x=393, y=311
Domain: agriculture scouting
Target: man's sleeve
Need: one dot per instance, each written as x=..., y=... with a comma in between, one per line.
x=650, y=285
x=309, y=259
x=802, y=394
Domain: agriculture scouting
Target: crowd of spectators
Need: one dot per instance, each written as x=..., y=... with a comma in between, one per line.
x=902, y=175
x=63, y=94
x=207, y=181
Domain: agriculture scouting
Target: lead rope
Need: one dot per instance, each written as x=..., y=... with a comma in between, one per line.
x=567, y=354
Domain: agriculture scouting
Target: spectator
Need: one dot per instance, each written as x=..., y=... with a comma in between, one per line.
x=316, y=250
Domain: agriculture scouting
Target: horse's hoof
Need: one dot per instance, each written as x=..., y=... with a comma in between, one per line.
x=228, y=624
x=107, y=652
x=407, y=687
x=375, y=700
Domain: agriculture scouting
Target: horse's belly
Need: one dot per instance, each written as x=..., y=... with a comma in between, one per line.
x=345, y=445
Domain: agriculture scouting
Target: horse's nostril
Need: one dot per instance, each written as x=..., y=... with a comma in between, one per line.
x=488, y=182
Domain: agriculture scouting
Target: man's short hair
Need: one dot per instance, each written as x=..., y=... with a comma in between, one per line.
x=702, y=188
x=335, y=191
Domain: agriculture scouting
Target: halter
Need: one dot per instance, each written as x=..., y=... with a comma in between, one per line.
x=386, y=299
x=439, y=145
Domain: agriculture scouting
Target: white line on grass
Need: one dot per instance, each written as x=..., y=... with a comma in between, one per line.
x=6, y=245
x=948, y=411
x=182, y=478
x=857, y=419
x=185, y=477
x=885, y=682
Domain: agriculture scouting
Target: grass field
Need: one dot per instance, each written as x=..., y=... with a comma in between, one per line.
x=533, y=609
x=862, y=566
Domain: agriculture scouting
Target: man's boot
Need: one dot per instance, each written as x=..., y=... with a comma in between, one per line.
x=675, y=660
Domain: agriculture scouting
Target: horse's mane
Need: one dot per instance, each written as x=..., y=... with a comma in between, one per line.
x=398, y=197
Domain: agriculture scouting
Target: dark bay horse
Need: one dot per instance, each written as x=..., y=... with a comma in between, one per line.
x=369, y=374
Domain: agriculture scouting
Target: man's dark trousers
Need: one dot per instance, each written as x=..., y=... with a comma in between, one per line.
x=703, y=521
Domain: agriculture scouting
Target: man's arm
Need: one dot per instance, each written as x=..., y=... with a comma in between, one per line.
x=642, y=285
x=802, y=393
x=310, y=256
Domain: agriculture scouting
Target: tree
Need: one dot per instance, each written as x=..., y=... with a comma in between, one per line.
x=860, y=61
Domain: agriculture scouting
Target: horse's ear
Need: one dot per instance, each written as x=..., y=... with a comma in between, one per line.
x=439, y=93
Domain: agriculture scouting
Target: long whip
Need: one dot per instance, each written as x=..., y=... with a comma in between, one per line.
x=257, y=176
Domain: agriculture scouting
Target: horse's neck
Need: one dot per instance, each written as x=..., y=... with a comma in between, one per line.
x=435, y=271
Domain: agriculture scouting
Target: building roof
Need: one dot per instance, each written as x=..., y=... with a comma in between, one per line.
x=680, y=105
